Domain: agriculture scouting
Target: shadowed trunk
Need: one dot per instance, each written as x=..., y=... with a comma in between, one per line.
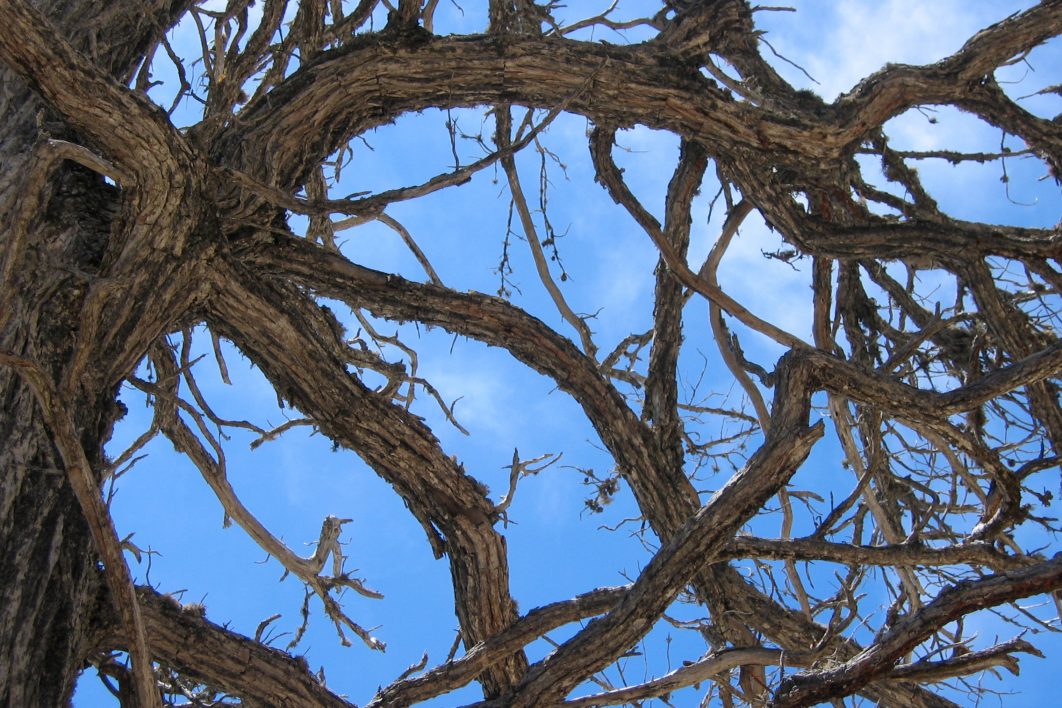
x=49, y=581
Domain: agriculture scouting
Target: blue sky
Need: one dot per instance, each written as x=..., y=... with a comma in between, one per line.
x=557, y=549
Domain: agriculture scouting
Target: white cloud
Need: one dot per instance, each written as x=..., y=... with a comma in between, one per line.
x=841, y=43
x=769, y=288
x=622, y=285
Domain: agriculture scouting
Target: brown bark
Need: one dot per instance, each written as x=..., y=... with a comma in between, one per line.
x=183, y=639
x=46, y=557
x=190, y=227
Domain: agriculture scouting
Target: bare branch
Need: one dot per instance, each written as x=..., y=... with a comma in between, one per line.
x=907, y=634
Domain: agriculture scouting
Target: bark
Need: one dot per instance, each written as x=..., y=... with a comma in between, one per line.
x=183, y=639
x=948, y=606
x=118, y=229
x=396, y=444
x=46, y=559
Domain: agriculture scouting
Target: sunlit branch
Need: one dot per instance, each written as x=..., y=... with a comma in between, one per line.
x=958, y=600
x=308, y=570
x=607, y=172
x=696, y=672
x=411, y=244
x=534, y=624
x=903, y=554
x=531, y=235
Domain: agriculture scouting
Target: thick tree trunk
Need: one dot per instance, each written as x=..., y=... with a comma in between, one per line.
x=48, y=578
x=49, y=581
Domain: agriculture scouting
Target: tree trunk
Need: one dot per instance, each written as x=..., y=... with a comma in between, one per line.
x=49, y=581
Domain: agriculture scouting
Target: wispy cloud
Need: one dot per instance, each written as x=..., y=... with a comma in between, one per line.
x=769, y=287
x=841, y=43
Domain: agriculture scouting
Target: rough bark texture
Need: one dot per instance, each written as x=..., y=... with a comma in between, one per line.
x=118, y=229
x=47, y=561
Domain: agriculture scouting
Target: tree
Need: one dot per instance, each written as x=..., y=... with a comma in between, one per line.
x=930, y=365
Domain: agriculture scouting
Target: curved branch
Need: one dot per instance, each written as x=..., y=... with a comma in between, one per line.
x=274, y=138
x=534, y=624
x=493, y=321
x=91, y=101
x=696, y=544
x=286, y=335
x=957, y=601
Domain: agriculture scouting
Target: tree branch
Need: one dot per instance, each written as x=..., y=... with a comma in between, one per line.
x=957, y=601
x=183, y=638
x=284, y=333
x=698, y=543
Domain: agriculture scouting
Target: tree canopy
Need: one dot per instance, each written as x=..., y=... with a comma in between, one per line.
x=792, y=362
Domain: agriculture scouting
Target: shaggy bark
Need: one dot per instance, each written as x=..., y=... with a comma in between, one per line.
x=118, y=229
x=57, y=221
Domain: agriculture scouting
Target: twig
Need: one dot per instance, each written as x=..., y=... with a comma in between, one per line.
x=608, y=173
x=517, y=470
x=533, y=241
x=407, y=238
